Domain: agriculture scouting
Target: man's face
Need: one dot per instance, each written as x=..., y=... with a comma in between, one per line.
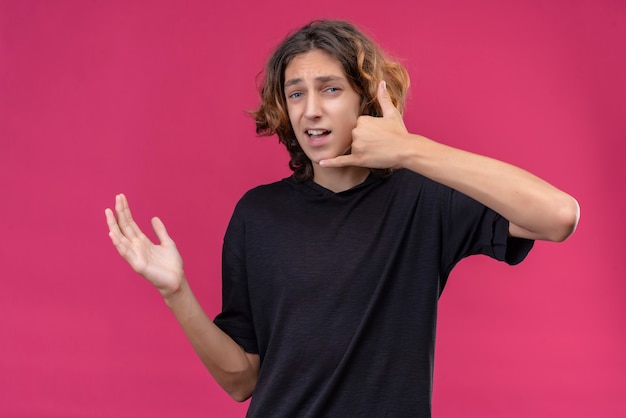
x=322, y=105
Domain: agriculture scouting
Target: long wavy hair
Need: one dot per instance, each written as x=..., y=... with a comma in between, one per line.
x=364, y=63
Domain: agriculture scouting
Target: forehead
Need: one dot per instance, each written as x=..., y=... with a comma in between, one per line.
x=313, y=63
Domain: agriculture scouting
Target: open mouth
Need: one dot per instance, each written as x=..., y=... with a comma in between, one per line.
x=316, y=134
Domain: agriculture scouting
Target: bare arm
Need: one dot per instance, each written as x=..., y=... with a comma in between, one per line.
x=234, y=369
x=534, y=208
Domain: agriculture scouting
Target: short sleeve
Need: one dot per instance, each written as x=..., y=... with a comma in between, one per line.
x=236, y=316
x=511, y=250
x=471, y=228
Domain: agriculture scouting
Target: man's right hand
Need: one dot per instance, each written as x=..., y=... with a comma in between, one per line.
x=160, y=264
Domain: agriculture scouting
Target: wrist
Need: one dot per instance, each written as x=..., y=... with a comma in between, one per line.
x=411, y=154
x=171, y=295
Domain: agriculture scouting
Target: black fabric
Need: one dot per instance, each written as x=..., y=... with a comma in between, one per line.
x=337, y=292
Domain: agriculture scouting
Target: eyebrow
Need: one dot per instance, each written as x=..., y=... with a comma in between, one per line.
x=321, y=79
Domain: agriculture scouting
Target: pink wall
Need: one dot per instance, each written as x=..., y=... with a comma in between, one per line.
x=149, y=98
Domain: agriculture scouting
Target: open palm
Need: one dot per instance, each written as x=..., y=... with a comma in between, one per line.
x=160, y=264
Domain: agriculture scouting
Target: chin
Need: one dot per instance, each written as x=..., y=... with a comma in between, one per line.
x=315, y=159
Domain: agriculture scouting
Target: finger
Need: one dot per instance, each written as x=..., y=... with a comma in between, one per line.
x=341, y=161
x=112, y=222
x=127, y=225
x=120, y=242
x=160, y=231
x=384, y=100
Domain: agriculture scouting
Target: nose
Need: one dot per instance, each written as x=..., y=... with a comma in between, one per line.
x=313, y=108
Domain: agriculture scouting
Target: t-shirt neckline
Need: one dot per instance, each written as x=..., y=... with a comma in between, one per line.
x=323, y=191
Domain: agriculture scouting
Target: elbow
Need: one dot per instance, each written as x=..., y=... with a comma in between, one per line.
x=240, y=396
x=566, y=220
x=240, y=380
x=239, y=388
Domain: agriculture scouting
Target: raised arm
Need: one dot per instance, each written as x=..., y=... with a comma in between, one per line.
x=234, y=369
x=534, y=208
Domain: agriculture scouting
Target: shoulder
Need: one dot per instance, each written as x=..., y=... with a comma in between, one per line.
x=407, y=180
x=266, y=197
x=254, y=204
x=267, y=192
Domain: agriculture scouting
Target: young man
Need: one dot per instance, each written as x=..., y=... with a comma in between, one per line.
x=331, y=277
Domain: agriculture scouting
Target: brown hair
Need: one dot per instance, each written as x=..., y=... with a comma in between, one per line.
x=364, y=63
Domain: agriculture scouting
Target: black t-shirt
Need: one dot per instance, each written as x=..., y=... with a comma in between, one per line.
x=337, y=292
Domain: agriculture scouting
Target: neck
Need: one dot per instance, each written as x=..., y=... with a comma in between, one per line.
x=339, y=179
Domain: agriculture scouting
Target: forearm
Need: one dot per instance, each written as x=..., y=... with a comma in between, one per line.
x=228, y=363
x=534, y=208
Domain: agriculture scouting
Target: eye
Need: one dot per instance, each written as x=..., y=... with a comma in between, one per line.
x=332, y=89
x=294, y=95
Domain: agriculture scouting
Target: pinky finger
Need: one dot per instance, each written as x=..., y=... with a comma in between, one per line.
x=114, y=228
x=123, y=247
x=120, y=242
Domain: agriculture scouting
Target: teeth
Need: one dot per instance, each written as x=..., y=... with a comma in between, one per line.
x=313, y=132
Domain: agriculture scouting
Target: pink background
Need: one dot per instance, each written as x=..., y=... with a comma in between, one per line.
x=149, y=98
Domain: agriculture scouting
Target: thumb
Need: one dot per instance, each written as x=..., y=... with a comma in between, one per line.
x=160, y=231
x=384, y=100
